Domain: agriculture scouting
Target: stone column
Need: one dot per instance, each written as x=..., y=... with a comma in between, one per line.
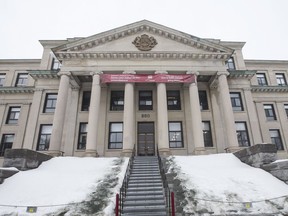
x=94, y=111
x=253, y=118
x=59, y=115
x=197, y=131
x=162, y=118
x=128, y=119
x=33, y=119
x=2, y=112
x=230, y=131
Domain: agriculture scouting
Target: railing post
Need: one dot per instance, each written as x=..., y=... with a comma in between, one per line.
x=117, y=205
x=172, y=204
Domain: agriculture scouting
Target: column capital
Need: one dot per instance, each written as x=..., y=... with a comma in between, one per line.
x=67, y=73
x=92, y=73
x=129, y=72
x=225, y=73
x=195, y=73
x=161, y=72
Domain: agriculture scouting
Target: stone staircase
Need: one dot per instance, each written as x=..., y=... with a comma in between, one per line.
x=145, y=193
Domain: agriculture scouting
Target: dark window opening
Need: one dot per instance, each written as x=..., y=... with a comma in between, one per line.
x=145, y=100
x=173, y=100
x=117, y=101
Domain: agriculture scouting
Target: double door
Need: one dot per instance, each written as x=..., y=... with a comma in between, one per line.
x=145, y=139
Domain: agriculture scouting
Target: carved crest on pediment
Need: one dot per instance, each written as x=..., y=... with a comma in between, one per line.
x=144, y=42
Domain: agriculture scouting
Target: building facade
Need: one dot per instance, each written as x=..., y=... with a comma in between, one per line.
x=142, y=86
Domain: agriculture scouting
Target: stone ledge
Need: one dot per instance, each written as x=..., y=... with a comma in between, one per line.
x=6, y=173
x=279, y=169
x=24, y=159
x=257, y=155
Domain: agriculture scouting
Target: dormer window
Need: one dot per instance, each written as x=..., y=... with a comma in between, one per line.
x=230, y=64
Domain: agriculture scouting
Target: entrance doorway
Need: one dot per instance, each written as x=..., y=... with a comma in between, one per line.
x=145, y=139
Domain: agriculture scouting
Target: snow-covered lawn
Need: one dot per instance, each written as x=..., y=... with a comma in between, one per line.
x=222, y=184
x=59, y=181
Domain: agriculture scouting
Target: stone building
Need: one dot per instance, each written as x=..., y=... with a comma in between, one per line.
x=146, y=86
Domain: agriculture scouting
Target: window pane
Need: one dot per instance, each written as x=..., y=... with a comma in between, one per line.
x=175, y=135
x=116, y=127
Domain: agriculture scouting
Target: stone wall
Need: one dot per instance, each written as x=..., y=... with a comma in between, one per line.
x=279, y=169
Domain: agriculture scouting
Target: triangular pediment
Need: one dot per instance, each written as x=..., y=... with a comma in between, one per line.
x=120, y=43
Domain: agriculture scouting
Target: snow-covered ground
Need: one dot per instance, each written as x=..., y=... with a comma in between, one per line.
x=212, y=183
x=59, y=181
x=222, y=184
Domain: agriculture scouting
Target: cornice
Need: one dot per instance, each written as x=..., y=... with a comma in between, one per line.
x=141, y=55
x=247, y=74
x=269, y=89
x=16, y=90
x=43, y=74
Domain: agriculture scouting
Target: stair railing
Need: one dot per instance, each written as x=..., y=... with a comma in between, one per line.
x=169, y=196
x=120, y=198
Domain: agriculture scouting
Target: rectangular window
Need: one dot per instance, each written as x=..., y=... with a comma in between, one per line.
x=50, y=103
x=242, y=134
x=286, y=109
x=22, y=79
x=117, y=100
x=86, y=101
x=55, y=64
x=261, y=78
x=145, y=100
x=82, y=136
x=44, y=137
x=207, y=135
x=276, y=139
x=2, y=79
x=281, y=81
x=115, y=135
x=236, y=101
x=173, y=100
x=203, y=100
x=6, y=143
x=175, y=134
x=13, y=115
x=230, y=65
x=269, y=112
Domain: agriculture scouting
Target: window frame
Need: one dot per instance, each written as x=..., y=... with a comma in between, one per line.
x=117, y=96
x=172, y=133
x=270, y=112
x=286, y=109
x=145, y=99
x=281, y=81
x=21, y=81
x=277, y=141
x=173, y=99
x=55, y=64
x=203, y=100
x=119, y=137
x=2, y=79
x=6, y=145
x=47, y=137
x=242, y=135
x=261, y=79
x=81, y=145
x=86, y=97
x=230, y=64
x=51, y=108
x=207, y=134
x=13, y=116
x=236, y=102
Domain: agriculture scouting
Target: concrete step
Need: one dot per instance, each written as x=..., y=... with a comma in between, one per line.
x=149, y=188
x=144, y=202
x=144, y=209
x=145, y=172
x=144, y=197
x=145, y=177
x=144, y=181
x=146, y=214
x=139, y=185
x=141, y=193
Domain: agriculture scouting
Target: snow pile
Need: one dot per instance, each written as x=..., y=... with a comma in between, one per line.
x=59, y=181
x=221, y=184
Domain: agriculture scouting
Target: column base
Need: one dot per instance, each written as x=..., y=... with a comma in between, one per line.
x=232, y=149
x=126, y=153
x=55, y=153
x=91, y=153
x=164, y=152
x=199, y=151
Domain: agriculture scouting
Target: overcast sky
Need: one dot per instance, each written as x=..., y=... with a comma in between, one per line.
x=262, y=24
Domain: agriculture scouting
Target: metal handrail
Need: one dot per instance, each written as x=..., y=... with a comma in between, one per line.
x=124, y=186
x=169, y=205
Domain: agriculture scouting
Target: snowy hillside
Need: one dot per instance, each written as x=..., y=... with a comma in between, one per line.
x=221, y=184
x=61, y=181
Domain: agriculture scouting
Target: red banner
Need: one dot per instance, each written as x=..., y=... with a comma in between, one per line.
x=148, y=78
